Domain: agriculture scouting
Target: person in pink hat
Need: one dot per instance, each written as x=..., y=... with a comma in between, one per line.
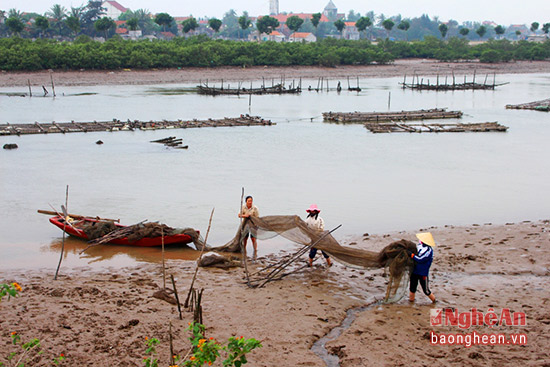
x=315, y=222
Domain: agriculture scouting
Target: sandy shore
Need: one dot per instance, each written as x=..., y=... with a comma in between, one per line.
x=193, y=75
x=104, y=316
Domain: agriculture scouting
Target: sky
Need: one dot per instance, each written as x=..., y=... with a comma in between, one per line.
x=504, y=12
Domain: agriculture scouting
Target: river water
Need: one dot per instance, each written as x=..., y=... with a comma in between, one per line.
x=367, y=182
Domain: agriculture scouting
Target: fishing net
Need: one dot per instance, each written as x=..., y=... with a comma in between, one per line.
x=393, y=257
x=95, y=230
x=104, y=231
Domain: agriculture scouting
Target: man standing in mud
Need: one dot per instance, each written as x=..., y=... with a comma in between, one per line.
x=422, y=262
x=250, y=210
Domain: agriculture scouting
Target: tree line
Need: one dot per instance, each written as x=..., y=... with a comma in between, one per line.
x=201, y=51
x=89, y=20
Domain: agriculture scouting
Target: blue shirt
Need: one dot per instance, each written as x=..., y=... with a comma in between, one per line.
x=423, y=260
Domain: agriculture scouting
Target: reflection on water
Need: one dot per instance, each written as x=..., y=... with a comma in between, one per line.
x=366, y=182
x=74, y=247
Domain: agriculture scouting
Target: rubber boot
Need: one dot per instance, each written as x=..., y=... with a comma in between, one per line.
x=432, y=297
x=411, y=297
x=310, y=262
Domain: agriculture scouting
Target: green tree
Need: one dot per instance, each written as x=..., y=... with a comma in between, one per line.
x=404, y=25
x=499, y=30
x=443, y=29
x=267, y=24
x=215, y=24
x=15, y=25
x=481, y=31
x=362, y=23
x=14, y=13
x=77, y=12
x=57, y=13
x=340, y=25
x=91, y=13
x=165, y=19
x=388, y=25
x=294, y=23
x=353, y=16
x=464, y=31
x=189, y=25
x=42, y=23
x=104, y=25
x=315, y=18
x=546, y=28
x=73, y=23
x=518, y=33
x=534, y=27
x=133, y=24
x=244, y=23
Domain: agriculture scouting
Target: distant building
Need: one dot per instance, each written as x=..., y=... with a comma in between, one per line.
x=114, y=9
x=330, y=11
x=273, y=36
x=350, y=32
x=302, y=37
x=273, y=7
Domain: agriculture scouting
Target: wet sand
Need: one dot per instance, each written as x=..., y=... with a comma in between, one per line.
x=105, y=316
x=399, y=68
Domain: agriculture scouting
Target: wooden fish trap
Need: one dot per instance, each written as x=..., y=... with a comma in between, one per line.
x=118, y=125
x=419, y=84
x=436, y=113
x=543, y=105
x=402, y=127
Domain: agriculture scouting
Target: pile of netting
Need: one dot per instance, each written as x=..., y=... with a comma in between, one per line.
x=104, y=231
x=393, y=257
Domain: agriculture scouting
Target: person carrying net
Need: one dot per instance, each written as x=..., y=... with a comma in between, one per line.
x=315, y=222
x=422, y=262
x=250, y=210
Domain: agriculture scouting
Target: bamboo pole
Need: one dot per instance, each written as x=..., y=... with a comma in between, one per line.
x=64, y=228
x=197, y=264
x=53, y=85
x=297, y=255
x=30, y=91
x=163, y=264
x=176, y=295
x=172, y=362
x=243, y=248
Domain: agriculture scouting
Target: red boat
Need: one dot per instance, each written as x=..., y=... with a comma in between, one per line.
x=74, y=229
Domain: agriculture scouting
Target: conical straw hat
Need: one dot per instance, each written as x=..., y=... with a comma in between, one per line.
x=427, y=238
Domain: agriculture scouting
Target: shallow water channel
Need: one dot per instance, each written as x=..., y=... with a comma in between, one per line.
x=367, y=182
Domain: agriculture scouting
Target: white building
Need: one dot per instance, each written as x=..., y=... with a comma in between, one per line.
x=273, y=7
x=114, y=9
x=302, y=37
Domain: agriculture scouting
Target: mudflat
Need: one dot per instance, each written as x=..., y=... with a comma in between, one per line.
x=399, y=68
x=102, y=317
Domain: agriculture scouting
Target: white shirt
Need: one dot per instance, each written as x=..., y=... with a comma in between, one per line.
x=316, y=224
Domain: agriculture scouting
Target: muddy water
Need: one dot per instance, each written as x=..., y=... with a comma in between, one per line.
x=368, y=183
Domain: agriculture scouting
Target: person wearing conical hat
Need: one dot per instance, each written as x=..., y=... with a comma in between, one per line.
x=422, y=262
x=315, y=222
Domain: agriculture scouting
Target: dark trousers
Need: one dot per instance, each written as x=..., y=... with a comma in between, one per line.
x=313, y=252
x=423, y=279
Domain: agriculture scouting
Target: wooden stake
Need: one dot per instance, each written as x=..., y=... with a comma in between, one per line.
x=197, y=265
x=163, y=264
x=64, y=228
x=243, y=248
x=276, y=271
x=176, y=295
x=53, y=85
x=171, y=346
x=30, y=91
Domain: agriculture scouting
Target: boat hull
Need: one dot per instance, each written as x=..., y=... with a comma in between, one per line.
x=75, y=231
